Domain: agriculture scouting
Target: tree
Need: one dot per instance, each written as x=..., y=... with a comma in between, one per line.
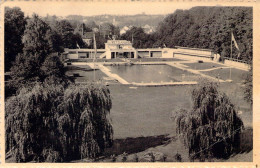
x=39, y=42
x=200, y=28
x=48, y=118
x=37, y=46
x=14, y=29
x=48, y=123
x=212, y=128
x=70, y=37
x=53, y=71
x=82, y=28
x=139, y=37
x=108, y=29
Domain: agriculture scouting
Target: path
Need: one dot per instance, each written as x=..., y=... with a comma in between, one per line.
x=112, y=75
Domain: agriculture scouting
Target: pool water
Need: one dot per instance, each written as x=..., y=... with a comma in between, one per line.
x=152, y=73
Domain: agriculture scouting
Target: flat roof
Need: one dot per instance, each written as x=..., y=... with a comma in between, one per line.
x=179, y=47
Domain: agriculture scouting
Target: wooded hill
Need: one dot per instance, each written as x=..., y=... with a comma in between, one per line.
x=209, y=28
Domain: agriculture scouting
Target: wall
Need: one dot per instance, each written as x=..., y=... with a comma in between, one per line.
x=189, y=57
x=156, y=54
x=237, y=64
x=72, y=56
x=143, y=54
x=168, y=53
x=84, y=55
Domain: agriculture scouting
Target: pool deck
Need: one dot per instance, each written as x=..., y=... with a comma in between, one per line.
x=165, y=83
x=177, y=64
x=180, y=66
x=212, y=69
x=112, y=75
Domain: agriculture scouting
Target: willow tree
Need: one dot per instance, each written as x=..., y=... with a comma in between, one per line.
x=212, y=128
x=51, y=124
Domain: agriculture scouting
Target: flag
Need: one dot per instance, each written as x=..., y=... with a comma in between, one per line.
x=78, y=45
x=234, y=40
x=164, y=46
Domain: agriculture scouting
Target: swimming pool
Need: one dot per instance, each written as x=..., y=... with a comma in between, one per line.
x=152, y=73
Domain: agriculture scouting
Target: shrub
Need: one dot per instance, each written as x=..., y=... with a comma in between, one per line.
x=53, y=124
x=135, y=159
x=178, y=157
x=212, y=127
x=248, y=88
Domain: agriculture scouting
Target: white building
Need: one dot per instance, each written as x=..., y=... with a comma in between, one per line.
x=120, y=48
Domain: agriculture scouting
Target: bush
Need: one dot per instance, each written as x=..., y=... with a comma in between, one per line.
x=178, y=157
x=51, y=71
x=212, y=127
x=53, y=124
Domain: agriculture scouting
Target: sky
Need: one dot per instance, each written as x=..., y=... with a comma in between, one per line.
x=43, y=8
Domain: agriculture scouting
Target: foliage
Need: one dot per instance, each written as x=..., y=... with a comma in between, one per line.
x=37, y=62
x=139, y=37
x=212, y=127
x=70, y=37
x=135, y=159
x=124, y=157
x=37, y=45
x=48, y=118
x=53, y=71
x=209, y=28
x=248, y=86
x=82, y=28
x=51, y=124
x=200, y=28
x=14, y=29
x=178, y=157
x=108, y=29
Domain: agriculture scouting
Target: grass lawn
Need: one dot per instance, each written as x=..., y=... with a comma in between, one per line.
x=86, y=74
x=146, y=111
x=236, y=74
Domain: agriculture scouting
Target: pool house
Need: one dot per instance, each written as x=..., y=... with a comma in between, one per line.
x=124, y=49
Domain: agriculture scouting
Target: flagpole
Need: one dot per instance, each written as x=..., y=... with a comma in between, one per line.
x=82, y=30
x=94, y=60
x=230, y=56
